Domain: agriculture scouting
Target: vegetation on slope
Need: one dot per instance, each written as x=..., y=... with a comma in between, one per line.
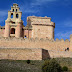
x=32, y=66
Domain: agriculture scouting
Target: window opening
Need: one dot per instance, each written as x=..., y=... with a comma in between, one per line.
x=25, y=36
x=12, y=15
x=68, y=49
x=16, y=10
x=12, y=31
x=13, y=10
x=16, y=15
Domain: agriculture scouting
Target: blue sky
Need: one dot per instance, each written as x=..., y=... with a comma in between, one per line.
x=59, y=10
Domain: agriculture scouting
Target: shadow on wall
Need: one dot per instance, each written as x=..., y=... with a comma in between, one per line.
x=45, y=54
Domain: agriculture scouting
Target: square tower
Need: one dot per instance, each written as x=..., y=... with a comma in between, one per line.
x=42, y=27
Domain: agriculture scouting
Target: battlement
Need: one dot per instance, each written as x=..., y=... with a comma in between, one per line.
x=32, y=39
x=35, y=39
x=36, y=43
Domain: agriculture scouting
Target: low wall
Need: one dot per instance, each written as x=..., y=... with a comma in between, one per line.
x=23, y=53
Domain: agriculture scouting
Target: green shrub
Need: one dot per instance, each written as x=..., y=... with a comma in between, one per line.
x=51, y=66
x=65, y=68
x=28, y=61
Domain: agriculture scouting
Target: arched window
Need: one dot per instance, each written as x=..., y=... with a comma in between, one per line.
x=11, y=15
x=13, y=10
x=16, y=15
x=16, y=10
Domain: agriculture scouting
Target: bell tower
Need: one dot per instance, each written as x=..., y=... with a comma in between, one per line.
x=13, y=24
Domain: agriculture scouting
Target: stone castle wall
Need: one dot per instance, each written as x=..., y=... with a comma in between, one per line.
x=54, y=48
x=41, y=31
x=59, y=45
x=23, y=53
x=2, y=32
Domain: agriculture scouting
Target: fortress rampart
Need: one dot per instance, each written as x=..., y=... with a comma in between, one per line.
x=56, y=48
x=47, y=44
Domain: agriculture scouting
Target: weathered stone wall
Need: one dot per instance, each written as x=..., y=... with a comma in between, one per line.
x=41, y=31
x=22, y=53
x=53, y=48
x=2, y=32
x=59, y=45
x=42, y=27
x=27, y=33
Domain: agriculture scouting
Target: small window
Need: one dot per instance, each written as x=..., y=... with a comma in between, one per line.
x=12, y=15
x=16, y=15
x=16, y=10
x=68, y=49
x=25, y=36
x=13, y=10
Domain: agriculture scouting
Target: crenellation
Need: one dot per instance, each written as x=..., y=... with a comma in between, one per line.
x=57, y=40
x=32, y=39
x=36, y=39
x=41, y=39
x=66, y=40
x=62, y=40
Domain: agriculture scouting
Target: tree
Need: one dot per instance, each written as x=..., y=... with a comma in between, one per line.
x=51, y=66
x=65, y=68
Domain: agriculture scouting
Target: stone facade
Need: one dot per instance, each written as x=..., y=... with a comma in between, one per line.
x=40, y=27
x=33, y=42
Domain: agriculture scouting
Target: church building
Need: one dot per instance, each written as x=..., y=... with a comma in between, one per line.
x=37, y=27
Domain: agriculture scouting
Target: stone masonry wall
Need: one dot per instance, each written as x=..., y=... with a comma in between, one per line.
x=55, y=48
x=41, y=31
x=22, y=53
x=58, y=45
x=2, y=32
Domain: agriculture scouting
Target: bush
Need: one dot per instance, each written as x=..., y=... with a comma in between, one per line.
x=28, y=61
x=65, y=68
x=51, y=66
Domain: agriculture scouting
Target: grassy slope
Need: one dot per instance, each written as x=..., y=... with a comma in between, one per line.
x=65, y=62
x=20, y=66
x=34, y=66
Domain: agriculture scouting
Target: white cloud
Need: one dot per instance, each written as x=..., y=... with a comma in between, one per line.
x=64, y=35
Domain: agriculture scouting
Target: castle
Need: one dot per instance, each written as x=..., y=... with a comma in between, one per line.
x=40, y=27
x=33, y=42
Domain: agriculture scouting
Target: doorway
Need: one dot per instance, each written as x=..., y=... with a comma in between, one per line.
x=12, y=31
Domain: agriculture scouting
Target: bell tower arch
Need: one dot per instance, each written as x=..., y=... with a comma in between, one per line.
x=13, y=22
